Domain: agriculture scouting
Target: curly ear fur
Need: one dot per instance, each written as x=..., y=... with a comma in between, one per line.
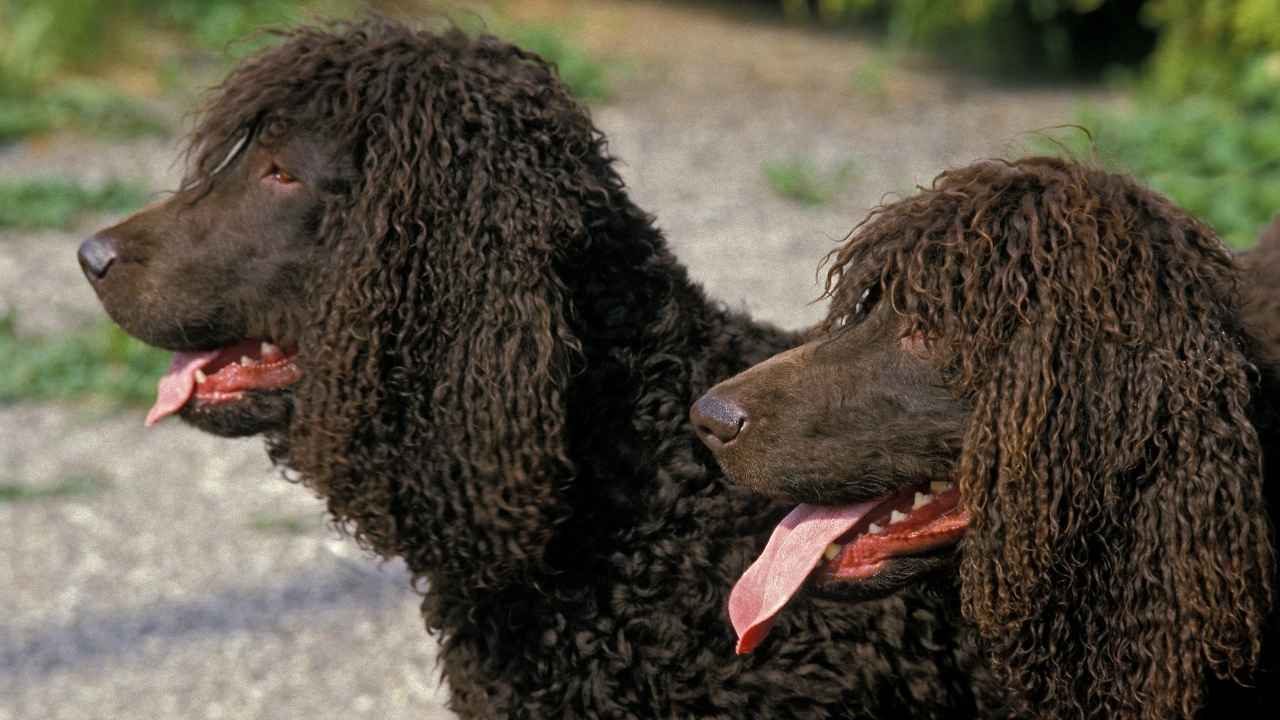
x=435, y=366
x=1119, y=550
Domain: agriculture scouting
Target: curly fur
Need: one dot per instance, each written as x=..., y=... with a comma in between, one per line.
x=1119, y=550
x=498, y=351
x=1262, y=290
x=1070, y=349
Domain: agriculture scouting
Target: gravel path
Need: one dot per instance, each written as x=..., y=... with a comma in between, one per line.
x=180, y=577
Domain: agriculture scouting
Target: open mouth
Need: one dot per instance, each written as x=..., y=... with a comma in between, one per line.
x=851, y=543
x=222, y=376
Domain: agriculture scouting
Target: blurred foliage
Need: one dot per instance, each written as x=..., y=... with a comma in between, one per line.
x=586, y=76
x=868, y=79
x=76, y=103
x=48, y=49
x=56, y=203
x=1204, y=126
x=41, y=38
x=1228, y=48
x=229, y=25
x=934, y=18
x=100, y=362
x=1014, y=37
x=800, y=180
x=1215, y=159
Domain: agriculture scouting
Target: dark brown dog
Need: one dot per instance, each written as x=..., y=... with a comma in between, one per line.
x=407, y=259
x=1034, y=373
x=1262, y=289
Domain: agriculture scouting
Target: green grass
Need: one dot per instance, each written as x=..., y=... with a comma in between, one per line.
x=57, y=203
x=76, y=105
x=229, y=25
x=100, y=363
x=800, y=180
x=72, y=486
x=51, y=51
x=44, y=45
x=1212, y=157
x=586, y=76
x=869, y=79
x=291, y=525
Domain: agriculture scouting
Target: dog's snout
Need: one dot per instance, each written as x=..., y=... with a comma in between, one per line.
x=97, y=255
x=717, y=420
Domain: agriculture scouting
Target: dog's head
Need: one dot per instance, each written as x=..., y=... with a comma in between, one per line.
x=362, y=265
x=1033, y=372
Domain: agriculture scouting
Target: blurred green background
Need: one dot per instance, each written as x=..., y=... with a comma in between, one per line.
x=1200, y=120
x=166, y=573
x=1204, y=75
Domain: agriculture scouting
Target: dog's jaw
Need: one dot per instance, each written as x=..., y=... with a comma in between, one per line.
x=230, y=391
x=257, y=412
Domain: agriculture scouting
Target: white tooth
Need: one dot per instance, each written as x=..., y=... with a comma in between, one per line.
x=831, y=552
x=896, y=517
x=270, y=352
x=921, y=500
x=937, y=487
x=201, y=377
x=245, y=361
x=875, y=529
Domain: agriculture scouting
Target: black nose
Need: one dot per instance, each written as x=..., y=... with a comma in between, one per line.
x=717, y=420
x=96, y=255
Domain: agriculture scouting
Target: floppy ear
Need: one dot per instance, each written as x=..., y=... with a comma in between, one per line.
x=434, y=420
x=1119, y=550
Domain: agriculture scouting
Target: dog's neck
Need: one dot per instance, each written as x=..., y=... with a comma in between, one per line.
x=652, y=342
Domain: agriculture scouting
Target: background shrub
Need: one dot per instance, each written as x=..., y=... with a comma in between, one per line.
x=1204, y=126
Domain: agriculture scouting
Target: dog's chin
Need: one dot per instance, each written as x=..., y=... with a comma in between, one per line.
x=254, y=413
x=894, y=576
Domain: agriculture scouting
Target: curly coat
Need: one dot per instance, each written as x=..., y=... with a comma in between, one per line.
x=1109, y=409
x=1262, y=289
x=496, y=351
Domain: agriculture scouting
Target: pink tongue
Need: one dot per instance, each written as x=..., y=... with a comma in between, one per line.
x=792, y=553
x=175, y=388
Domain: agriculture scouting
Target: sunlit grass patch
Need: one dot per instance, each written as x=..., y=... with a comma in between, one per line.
x=70, y=486
x=56, y=202
x=870, y=79
x=800, y=180
x=99, y=363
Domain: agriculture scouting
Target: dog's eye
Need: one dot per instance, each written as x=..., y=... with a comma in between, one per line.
x=280, y=175
x=866, y=302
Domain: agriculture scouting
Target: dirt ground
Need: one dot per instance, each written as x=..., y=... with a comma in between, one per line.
x=188, y=580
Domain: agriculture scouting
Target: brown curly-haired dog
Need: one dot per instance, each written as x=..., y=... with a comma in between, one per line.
x=407, y=259
x=1033, y=376
x=1262, y=289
